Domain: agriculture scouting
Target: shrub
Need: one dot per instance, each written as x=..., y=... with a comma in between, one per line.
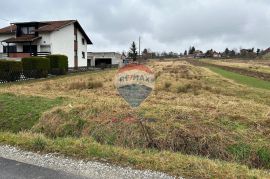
x=10, y=70
x=36, y=67
x=167, y=85
x=58, y=64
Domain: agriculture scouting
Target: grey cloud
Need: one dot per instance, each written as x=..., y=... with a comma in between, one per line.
x=163, y=24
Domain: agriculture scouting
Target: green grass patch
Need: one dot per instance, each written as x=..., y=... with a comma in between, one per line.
x=264, y=156
x=242, y=79
x=22, y=112
x=241, y=151
x=171, y=163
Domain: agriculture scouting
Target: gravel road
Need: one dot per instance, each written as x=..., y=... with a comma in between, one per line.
x=93, y=170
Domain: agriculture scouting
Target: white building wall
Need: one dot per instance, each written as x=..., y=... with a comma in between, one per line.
x=62, y=42
x=81, y=48
x=45, y=40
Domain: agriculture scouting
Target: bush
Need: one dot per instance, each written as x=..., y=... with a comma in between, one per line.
x=10, y=70
x=58, y=64
x=36, y=67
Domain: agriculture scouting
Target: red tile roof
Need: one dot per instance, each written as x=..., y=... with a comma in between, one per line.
x=30, y=38
x=54, y=25
x=47, y=26
x=8, y=30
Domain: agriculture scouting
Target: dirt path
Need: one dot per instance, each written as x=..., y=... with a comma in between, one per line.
x=259, y=75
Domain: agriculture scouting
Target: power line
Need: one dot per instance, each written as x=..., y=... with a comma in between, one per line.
x=4, y=19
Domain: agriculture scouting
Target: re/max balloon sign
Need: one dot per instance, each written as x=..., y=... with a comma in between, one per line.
x=135, y=83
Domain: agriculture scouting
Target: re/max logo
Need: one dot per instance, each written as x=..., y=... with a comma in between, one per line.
x=143, y=78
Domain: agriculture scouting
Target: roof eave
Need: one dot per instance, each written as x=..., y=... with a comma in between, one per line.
x=89, y=42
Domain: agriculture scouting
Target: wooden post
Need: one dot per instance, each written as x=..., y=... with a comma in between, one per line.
x=30, y=48
x=8, y=50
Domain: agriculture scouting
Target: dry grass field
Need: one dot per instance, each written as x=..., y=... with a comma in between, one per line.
x=252, y=65
x=192, y=111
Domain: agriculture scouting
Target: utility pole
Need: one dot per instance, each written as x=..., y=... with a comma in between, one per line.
x=139, y=46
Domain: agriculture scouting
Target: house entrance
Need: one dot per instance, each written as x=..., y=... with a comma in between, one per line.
x=30, y=49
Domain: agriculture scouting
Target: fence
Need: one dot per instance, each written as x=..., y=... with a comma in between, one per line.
x=81, y=69
x=9, y=76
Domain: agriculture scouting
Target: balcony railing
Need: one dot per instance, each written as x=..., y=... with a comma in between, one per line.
x=23, y=54
x=40, y=54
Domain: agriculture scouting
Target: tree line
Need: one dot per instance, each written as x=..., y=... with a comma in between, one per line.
x=193, y=52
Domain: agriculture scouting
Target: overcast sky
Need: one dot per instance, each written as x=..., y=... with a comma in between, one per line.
x=171, y=25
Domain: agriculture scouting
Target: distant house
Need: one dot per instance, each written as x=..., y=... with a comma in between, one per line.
x=216, y=55
x=248, y=53
x=25, y=39
x=212, y=54
x=96, y=59
x=199, y=54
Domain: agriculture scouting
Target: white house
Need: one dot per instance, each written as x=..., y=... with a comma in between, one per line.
x=108, y=58
x=26, y=39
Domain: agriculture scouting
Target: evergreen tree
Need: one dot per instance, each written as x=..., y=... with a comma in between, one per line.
x=258, y=51
x=133, y=52
x=191, y=50
x=227, y=51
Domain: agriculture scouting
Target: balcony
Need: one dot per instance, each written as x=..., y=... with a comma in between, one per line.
x=23, y=54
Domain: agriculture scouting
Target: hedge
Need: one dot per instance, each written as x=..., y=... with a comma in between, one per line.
x=10, y=70
x=58, y=64
x=36, y=67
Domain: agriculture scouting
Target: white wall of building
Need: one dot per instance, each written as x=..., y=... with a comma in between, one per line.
x=45, y=41
x=82, y=48
x=62, y=42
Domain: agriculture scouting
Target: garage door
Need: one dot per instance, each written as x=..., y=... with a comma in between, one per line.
x=103, y=61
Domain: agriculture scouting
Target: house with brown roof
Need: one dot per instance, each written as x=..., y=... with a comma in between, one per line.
x=25, y=39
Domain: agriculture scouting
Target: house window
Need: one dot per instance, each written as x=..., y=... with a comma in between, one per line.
x=83, y=42
x=10, y=49
x=45, y=48
x=28, y=30
x=83, y=54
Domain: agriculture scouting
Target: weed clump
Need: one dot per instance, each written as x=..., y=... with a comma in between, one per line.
x=81, y=85
x=94, y=84
x=39, y=143
x=167, y=85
